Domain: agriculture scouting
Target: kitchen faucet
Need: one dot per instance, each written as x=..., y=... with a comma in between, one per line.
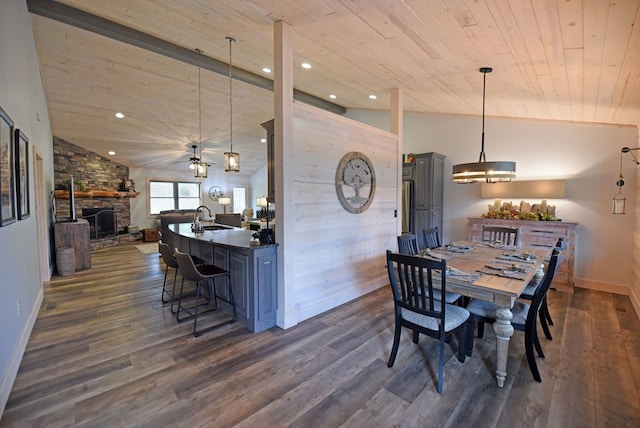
x=196, y=221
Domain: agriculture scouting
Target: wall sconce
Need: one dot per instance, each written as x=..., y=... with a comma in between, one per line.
x=619, y=200
x=224, y=202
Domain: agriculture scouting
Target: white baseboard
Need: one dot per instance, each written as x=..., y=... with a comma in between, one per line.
x=9, y=376
x=608, y=287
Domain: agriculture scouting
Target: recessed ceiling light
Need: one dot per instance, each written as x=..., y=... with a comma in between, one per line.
x=112, y=153
x=332, y=96
x=373, y=97
x=263, y=140
x=119, y=115
x=266, y=69
x=305, y=65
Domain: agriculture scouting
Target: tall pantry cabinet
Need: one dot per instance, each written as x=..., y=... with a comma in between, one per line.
x=426, y=175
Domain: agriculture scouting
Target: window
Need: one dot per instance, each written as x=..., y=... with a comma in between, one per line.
x=173, y=195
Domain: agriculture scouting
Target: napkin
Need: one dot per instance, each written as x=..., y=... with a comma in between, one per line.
x=515, y=258
x=436, y=255
x=511, y=267
x=513, y=274
x=457, y=248
x=461, y=275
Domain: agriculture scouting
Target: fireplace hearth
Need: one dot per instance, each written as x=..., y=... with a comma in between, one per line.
x=102, y=222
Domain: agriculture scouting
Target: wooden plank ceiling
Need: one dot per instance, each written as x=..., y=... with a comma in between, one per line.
x=568, y=60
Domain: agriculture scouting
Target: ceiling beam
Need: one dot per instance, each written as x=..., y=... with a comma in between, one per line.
x=78, y=18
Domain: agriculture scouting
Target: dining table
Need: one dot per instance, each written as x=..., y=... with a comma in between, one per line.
x=493, y=272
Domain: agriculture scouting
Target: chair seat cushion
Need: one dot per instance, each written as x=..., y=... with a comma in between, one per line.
x=455, y=316
x=530, y=289
x=210, y=270
x=486, y=309
x=450, y=297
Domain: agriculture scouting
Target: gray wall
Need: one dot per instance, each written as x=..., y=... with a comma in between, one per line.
x=22, y=97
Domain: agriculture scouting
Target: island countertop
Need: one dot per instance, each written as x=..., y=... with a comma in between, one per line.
x=230, y=236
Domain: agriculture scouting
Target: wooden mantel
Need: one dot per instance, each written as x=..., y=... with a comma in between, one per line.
x=64, y=194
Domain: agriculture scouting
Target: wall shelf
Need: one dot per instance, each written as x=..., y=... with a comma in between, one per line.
x=64, y=194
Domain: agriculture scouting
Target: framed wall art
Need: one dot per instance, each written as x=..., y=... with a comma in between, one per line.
x=7, y=190
x=22, y=174
x=355, y=182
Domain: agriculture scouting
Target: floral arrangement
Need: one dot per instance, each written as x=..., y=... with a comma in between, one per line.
x=524, y=211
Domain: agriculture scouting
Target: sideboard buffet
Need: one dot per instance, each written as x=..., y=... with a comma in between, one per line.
x=538, y=234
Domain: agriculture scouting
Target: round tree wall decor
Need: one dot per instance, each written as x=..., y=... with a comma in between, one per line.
x=355, y=182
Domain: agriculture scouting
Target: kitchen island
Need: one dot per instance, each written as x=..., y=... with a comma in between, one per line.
x=252, y=269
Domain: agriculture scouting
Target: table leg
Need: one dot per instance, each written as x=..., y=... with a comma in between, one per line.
x=504, y=331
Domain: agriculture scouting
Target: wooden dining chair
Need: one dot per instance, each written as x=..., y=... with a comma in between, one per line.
x=524, y=316
x=506, y=235
x=529, y=292
x=416, y=307
x=408, y=244
x=431, y=237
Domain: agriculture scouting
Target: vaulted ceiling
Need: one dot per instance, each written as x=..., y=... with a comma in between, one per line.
x=569, y=60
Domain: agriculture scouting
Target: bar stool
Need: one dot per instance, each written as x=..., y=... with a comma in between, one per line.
x=204, y=277
x=170, y=262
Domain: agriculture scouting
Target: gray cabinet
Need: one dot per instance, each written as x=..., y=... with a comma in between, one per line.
x=253, y=275
x=254, y=278
x=427, y=175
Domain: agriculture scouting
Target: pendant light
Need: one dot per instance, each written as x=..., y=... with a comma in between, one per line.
x=199, y=167
x=231, y=159
x=619, y=200
x=491, y=172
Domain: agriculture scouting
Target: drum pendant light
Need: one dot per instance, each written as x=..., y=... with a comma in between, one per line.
x=490, y=172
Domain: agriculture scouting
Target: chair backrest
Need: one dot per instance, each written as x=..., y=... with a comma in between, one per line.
x=412, y=284
x=545, y=284
x=187, y=267
x=247, y=213
x=506, y=235
x=167, y=256
x=408, y=244
x=561, y=244
x=234, y=220
x=431, y=237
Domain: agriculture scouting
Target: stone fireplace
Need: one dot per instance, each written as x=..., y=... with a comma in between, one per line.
x=96, y=183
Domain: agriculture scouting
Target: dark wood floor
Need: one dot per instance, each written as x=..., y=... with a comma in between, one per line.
x=105, y=352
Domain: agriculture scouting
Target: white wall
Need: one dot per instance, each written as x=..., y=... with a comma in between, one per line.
x=331, y=255
x=22, y=98
x=587, y=156
x=226, y=181
x=258, y=187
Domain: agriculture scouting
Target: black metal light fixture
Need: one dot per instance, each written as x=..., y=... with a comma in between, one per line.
x=231, y=158
x=619, y=200
x=199, y=167
x=490, y=172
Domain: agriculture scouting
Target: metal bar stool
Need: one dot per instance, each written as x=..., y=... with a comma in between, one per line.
x=204, y=277
x=170, y=262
